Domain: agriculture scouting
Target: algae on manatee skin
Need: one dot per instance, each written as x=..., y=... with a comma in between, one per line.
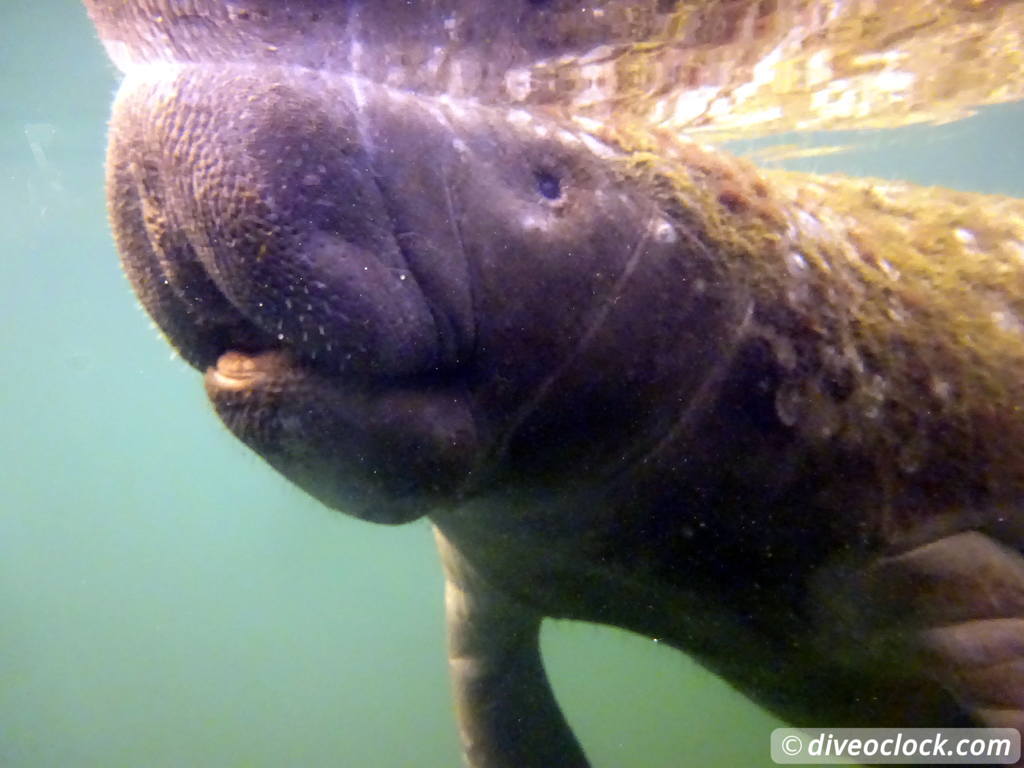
x=896, y=313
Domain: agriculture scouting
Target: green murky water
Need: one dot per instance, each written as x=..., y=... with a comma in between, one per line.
x=166, y=600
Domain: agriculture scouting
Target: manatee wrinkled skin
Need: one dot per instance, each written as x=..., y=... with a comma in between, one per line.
x=776, y=421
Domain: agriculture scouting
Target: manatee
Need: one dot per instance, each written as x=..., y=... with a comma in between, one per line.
x=774, y=420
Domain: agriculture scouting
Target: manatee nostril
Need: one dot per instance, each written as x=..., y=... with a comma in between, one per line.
x=549, y=185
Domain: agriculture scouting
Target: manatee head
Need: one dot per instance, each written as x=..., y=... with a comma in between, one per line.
x=401, y=299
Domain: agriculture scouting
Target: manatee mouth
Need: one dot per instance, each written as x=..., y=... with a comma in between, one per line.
x=236, y=372
x=387, y=454
x=384, y=449
x=253, y=392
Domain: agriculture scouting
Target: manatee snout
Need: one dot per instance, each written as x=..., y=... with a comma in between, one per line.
x=256, y=196
x=260, y=233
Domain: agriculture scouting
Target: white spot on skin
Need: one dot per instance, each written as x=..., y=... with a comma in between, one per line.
x=896, y=313
x=531, y=223
x=890, y=271
x=454, y=106
x=355, y=58
x=788, y=405
x=437, y=114
x=875, y=393
x=692, y=103
x=1007, y=321
x=589, y=124
x=965, y=236
x=796, y=262
x=893, y=82
x=517, y=84
x=520, y=117
x=602, y=83
x=599, y=53
x=819, y=68
x=942, y=389
x=599, y=148
x=764, y=70
x=663, y=231
x=810, y=223
x=912, y=454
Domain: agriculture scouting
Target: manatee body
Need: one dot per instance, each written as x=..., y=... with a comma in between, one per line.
x=774, y=420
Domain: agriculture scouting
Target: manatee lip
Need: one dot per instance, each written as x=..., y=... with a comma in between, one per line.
x=245, y=370
x=237, y=371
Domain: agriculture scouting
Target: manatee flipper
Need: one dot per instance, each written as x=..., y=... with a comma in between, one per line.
x=506, y=710
x=951, y=609
x=969, y=597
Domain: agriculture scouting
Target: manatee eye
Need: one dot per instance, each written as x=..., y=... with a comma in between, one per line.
x=549, y=185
